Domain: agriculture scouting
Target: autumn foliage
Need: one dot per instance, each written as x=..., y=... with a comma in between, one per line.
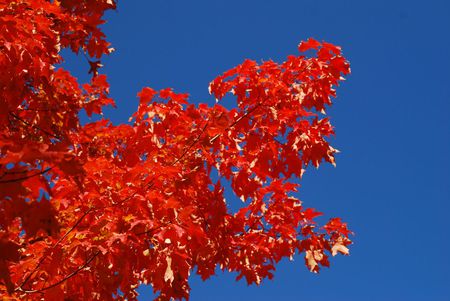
x=91, y=211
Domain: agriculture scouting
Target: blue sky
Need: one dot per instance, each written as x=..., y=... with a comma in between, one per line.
x=391, y=116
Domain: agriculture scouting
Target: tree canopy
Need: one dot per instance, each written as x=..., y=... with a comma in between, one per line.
x=91, y=211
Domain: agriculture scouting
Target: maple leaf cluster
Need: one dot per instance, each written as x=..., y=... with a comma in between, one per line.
x=90, y=212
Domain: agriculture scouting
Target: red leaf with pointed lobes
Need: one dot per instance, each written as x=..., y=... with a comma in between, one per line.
x=146, y=95
x=309, y=44
x=333, y=48
x=94, y=66
x=309, y=214
x=336, y=225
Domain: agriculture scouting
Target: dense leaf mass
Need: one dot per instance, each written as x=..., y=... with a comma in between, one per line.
x=90, y=212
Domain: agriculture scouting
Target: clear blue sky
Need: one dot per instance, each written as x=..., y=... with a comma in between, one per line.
x=392, y=120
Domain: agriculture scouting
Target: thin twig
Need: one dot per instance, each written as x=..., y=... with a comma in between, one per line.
x=26, y=177
x=35, y=126
x=236, y=121
x=67, y=277
x=41, y=260
x=192, y=144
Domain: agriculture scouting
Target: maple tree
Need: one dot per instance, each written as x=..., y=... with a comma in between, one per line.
x=91, y=211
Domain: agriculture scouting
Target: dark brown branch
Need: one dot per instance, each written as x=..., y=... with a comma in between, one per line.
x=149, y=231
x=41, y=260
x=236, y=121
x=13, y=173
x=37, y=110
x=67, y=277
x=35, y=126
x=26, y=177
x=192, y=144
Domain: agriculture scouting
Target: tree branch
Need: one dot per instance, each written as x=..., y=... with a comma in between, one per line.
x=236, y=121
x=26, y=177
x=41, y=260
x=35, y=126
x=75, y=272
